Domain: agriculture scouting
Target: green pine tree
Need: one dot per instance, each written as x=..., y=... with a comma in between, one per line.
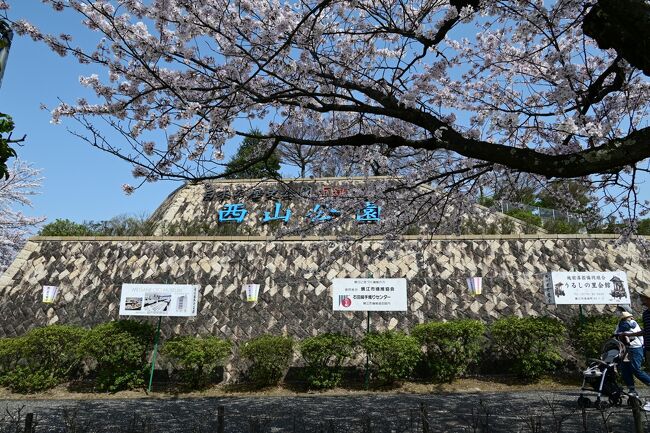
x=250, y=150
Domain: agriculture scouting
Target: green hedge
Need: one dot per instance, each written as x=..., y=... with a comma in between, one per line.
x=589, y=335
x=393, y=355
x=324, y=355
x=526, y=216
x=562, y=227
x=42, y=358
x=120, y=350
x=121, y=225
x=65, y=227
x=197, y=357
x=9, y=355
x=450, y=347
x=268, y=357
x=530, y=346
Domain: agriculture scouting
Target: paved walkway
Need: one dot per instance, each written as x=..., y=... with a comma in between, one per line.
x=397, y=413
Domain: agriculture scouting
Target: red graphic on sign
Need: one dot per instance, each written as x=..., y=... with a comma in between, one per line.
x=345, y=301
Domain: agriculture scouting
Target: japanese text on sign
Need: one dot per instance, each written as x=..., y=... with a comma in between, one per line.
x=586, y=288
x=236, y=212
x=356, y=294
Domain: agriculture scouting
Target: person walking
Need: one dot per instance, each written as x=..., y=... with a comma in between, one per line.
x=630, y=330
x=644, y=295
x=645, y=318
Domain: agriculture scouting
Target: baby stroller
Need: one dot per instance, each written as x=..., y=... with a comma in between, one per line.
x=600, y=377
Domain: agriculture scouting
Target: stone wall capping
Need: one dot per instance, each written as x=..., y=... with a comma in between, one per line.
x=535, y=236
x=569, y=236
x=607, y=236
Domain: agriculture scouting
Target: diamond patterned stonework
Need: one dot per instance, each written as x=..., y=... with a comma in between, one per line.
x=295, y=275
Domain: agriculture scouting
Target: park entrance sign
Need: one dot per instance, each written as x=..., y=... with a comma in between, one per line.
x=359, y=294
x=590, y=288
x=169, y=300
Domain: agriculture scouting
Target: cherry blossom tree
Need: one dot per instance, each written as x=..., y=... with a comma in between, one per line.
x=16, y=190
x=454, y=93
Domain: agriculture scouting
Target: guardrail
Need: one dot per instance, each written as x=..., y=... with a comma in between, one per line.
x=544, y=213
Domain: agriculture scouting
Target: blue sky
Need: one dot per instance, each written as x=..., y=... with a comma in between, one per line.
x=80, y=182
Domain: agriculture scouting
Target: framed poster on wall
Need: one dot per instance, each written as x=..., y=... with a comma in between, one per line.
x=168, y=300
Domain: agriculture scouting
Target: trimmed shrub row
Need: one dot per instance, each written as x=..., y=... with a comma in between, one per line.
x=45, y=357
x=116, y=354
x=40, y=359
x=450, y=347
x=529, y=347
x=197, y=358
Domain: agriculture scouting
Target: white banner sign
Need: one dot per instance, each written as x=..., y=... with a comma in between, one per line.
x=174, y=300
x=475, y=285
x=49, y=294
x=586, y=288
x=358, y=294
x=252, y=292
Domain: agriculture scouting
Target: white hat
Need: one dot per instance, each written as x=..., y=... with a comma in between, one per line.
x=625, y=315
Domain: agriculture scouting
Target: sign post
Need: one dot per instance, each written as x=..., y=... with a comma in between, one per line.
x=171, y=300
x=155, y=351
x=366, y=376
x=368, y=294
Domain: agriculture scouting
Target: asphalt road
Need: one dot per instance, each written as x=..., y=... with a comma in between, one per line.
x=532, y=412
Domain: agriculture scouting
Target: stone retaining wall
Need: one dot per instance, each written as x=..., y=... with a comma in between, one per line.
x=295, y=275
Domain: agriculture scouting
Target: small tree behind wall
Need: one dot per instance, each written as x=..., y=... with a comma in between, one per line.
x=254, y=160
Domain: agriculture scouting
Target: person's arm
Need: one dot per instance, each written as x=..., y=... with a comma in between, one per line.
x=637, y=332
x=632, y=333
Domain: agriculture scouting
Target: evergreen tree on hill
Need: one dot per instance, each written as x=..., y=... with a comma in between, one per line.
x=252, y=160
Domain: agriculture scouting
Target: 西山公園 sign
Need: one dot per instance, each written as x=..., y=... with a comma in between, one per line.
x=319, y=213
x=590, y=288
x=173, y=300
x=234, y=209
x=359, y=294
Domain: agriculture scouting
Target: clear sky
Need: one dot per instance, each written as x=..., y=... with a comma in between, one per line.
x=80, y=182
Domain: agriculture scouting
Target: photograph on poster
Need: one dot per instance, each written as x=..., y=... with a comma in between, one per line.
x=133, y=304
x=155, y=302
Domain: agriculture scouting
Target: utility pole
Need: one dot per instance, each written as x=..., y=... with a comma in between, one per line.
x=6, y=34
